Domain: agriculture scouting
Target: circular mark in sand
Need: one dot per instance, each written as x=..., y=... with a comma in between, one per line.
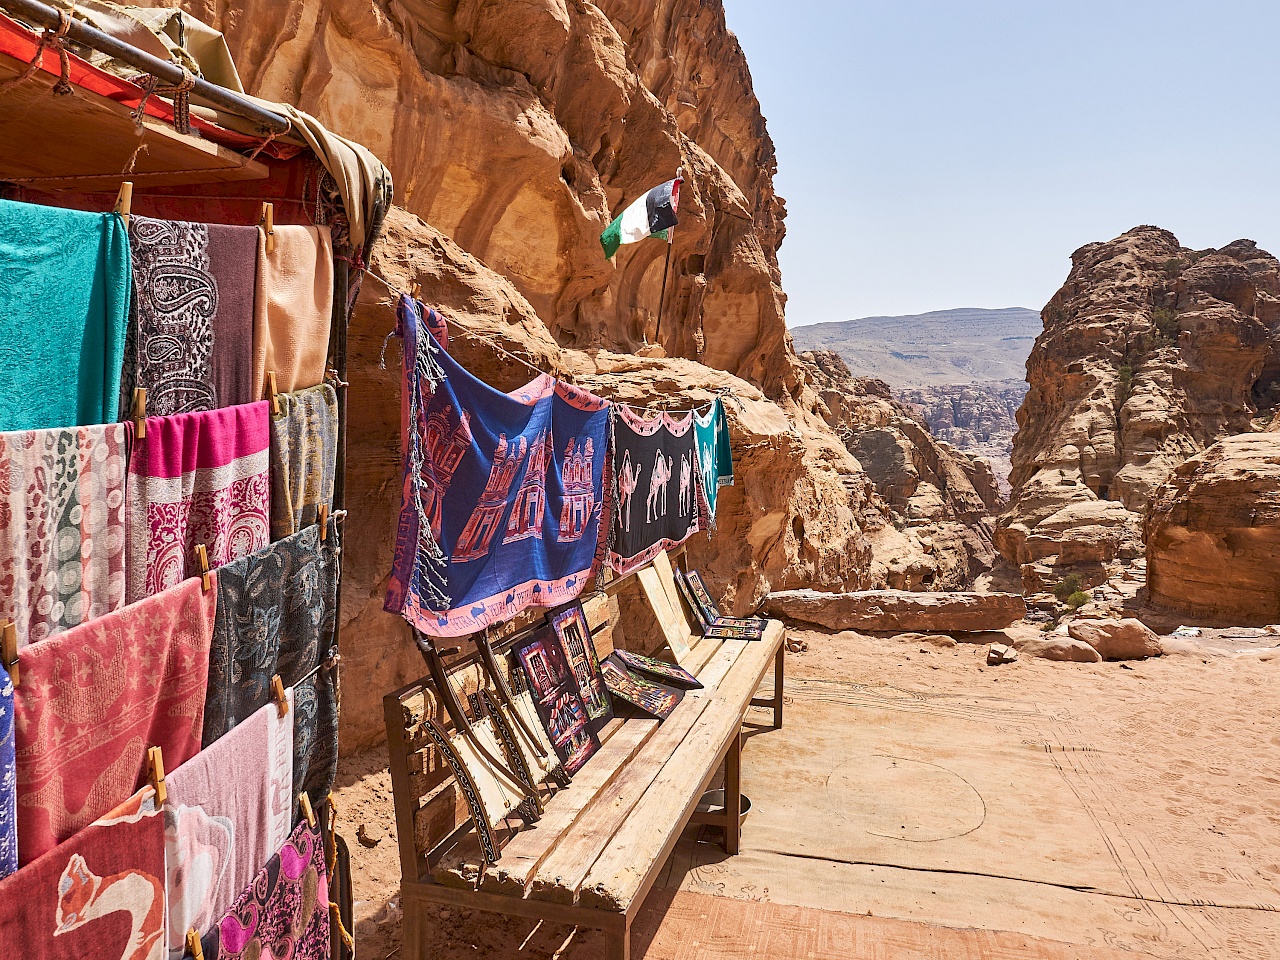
x=902, y=799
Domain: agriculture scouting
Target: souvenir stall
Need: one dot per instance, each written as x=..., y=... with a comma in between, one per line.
x=177, y=265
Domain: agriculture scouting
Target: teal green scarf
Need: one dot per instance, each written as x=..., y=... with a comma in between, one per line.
x=65, y=281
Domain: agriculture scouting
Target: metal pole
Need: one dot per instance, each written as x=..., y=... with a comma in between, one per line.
x=48, y=17
x=663, y=295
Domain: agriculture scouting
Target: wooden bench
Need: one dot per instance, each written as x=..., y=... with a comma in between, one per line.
x=600, y=843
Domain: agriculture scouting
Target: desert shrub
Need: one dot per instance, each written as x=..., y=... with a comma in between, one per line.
x=1078, y=599
x=1067, y=586
x=1166, y=322
x=1054, y=313
x=1172, y=267
x=1124, y=381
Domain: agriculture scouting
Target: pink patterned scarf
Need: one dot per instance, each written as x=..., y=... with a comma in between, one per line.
x=62, y=527
x=197, y=478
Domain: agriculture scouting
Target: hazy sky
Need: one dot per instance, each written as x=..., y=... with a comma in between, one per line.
x=949, y=153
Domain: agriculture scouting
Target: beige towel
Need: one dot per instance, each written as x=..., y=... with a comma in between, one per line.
x=292, y=308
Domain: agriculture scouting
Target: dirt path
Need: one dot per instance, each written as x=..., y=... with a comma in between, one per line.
x=1128, y=807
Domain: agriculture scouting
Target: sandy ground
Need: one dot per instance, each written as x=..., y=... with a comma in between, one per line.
x=919, y=800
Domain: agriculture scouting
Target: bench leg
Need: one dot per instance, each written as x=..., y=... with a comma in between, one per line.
x=733, y=796
x=779, y=669
x=620, y=942
x=412, y=929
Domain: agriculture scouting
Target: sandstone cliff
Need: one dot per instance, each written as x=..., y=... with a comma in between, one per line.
x=932, y=529
x=979, y=419
x=1150, y=353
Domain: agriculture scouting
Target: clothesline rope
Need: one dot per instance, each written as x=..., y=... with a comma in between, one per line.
x=719, y=392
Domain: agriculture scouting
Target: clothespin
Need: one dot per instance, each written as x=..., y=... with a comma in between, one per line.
x=9, y=649
x=124, y=201
x=155, y=771
x=202, y=557
x=323, y=520
x=416, y=290
x=139, y=413
x=277, y=694
x=307, y=813
x=271, y=393
x=194, y=946
x=268, y=224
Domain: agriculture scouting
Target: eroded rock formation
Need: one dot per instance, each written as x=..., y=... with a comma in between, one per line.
x=934, y=528
x=1213, y=533
x=1150, y=353
x=898, y=610
x=979, y=419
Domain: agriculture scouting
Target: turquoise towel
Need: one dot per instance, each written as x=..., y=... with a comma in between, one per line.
x=65, y=280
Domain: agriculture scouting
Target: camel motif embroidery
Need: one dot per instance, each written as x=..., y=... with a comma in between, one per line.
x=656, y=503
x=486, y=519
x=446, y=442
x=628, y=481
x=531, y=499
x=686, y=486
x=579, y=491
x=84, y=897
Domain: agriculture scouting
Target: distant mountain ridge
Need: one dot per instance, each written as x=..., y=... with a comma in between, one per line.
x=962, y=346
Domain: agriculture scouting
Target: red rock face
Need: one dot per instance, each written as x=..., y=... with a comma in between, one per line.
x=1150, y=352
x=1213, y=534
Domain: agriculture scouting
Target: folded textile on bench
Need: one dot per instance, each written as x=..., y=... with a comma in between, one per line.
x=197, y=478
x=100, y=894
x=715, y=460
x=276, y=614
x=64, y=299
x=502, y=492
x=659, y=503
x=229, y=809
x=92, y=701
x=284, y=912
x=190, y=339
x=62, y=527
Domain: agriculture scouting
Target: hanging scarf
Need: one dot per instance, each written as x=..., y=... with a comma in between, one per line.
x=92, y=701
x=285, y=911
x=100, y=894
x=304, y=458
x=197, y=478
x=62, y=527
x=659, y=502
x=8, y=781
x=293, y=308
x=502, y=492
x=190, y=342
x=276, y=614
x=229, y=809
x=64, y=299
x=715, y=461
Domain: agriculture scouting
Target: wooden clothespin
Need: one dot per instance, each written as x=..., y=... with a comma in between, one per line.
x=202, y=557
x=277, y=694
x=271, y=393
x=124, y=201
x=194, y=946
x=416, y=290
x=323, y=520
x=268, y=224
x=307, y=813
x=139, y=413
x=9, y=649
x=155, y=771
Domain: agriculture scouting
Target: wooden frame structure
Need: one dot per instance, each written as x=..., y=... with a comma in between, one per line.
x=601, y=842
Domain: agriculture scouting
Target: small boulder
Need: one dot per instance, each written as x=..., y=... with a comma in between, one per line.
x=932, y=639
x=1126, y=639
x=1055, y=646
x=999, y=653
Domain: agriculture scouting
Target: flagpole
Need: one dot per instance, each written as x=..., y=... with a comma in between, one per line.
x=663, y=295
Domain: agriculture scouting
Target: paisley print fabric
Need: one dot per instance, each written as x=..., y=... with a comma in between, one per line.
x=190, y=338
x=229, y=809
x=304, y=457
x=98, y=896
x=8, y=781
x=62, y=527
x=92, y=701
x=276, y=614
x=197, y=478
x=285, y=912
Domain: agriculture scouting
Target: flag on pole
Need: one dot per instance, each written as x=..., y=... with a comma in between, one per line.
x=651, y=215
